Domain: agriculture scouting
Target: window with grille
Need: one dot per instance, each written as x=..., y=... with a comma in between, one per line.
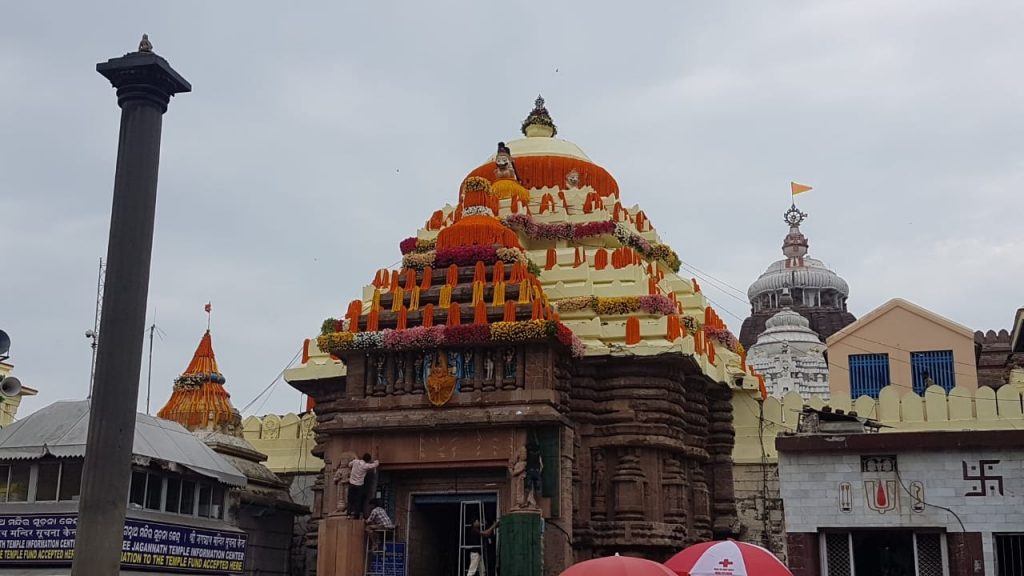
x=935, y=367
x=838, y=561
x=1009, y=554
x=929, y=554
x=869, y=373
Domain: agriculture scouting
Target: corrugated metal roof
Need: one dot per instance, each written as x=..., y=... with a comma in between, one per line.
x=60, y=430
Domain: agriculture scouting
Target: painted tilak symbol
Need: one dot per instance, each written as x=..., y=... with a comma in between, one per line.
x=917, y=497
x=983, y=483
x=845, y=497
x=881, y=495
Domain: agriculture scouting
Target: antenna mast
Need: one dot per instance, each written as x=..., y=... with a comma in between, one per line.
x=149, y=377
x=94, y=334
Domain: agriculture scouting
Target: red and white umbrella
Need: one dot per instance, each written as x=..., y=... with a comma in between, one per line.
x=618, y=566
x=727, y=558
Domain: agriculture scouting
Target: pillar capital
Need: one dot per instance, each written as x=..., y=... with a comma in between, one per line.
x=143, y=76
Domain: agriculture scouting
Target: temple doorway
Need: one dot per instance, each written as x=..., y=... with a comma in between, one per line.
x=434, y=543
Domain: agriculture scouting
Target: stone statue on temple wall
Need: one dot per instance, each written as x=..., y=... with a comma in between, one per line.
x=572, y=180
x=517, y=470
x=510, y=364
x=505, y=168
x=597, y=485
x=379, y=364
x=469, y=364
x=534, y=473
x=340, y=478
x=271, y=428
x=489, y=365
x=417, y=363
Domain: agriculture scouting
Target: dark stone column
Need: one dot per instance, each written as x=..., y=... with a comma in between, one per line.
x=145, y=83
x=803, y=554
x=966, y=554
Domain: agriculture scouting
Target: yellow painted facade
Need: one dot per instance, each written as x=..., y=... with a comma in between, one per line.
x=286, y=440
x=898, y=408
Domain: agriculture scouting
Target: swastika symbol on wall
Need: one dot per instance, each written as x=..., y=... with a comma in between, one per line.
x=983, y=481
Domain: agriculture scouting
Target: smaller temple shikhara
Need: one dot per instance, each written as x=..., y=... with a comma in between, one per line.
x=199, y=400
x=536, y=358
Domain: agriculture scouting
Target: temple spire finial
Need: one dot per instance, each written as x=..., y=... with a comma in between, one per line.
x=539, y=122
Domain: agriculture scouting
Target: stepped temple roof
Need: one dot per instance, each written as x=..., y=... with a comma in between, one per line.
x=539, y=245
x=819, y=294
x=199, y=400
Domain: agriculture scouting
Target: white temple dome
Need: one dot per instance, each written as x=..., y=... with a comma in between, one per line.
x=813, y=273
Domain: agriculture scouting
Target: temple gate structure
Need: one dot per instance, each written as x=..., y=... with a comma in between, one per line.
x=538, y=359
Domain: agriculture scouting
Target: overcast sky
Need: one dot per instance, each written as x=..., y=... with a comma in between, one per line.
x=316, y=138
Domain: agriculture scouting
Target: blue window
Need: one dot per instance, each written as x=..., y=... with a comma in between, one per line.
x=869, y=373
x=936, y=366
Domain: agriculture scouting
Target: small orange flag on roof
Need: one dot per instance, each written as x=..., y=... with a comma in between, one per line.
x=798, y=188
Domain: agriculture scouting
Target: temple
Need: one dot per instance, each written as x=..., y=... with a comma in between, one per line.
x=263, y=508
x=795, y=305
x=538, y=359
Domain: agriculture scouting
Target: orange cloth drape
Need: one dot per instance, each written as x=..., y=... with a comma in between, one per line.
x=453, y=276
x=355, y=309
x=445, y=298
x=480, y=313
x=550, y=171
x=480, y=272
x=478, y=292
x=537, y=312
x=454, y=314
x=552, y=260
x=498, y=275
x=499, y=294
x=632, y=330
x=601, y=259
x=410, y=279
x=414, y=299
x=373, y=321
x=397, y=298
x=674, y=328
x=428, y=316
x=510, y=311
x=403, y=318
x=428, y=277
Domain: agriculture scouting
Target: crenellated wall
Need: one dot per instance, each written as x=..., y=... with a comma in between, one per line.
x=755, y=471
x=286, y=440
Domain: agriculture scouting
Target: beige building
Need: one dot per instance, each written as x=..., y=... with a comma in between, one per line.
x=903, y=345
x=10, y=399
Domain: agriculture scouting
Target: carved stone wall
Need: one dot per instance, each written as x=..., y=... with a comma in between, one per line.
x=655, y=470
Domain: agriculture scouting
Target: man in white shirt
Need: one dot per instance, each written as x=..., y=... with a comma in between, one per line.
x=356, y=484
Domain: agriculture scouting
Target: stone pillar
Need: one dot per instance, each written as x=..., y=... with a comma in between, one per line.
x=700, y=510
x=673, y=491
x=340, y=548
x=145, y=83
x=721, y=440
x=629, y=487
x=598, y=486
x=804, y=556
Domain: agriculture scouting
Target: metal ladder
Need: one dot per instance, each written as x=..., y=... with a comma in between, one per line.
x=466, y=546
x=384, y=560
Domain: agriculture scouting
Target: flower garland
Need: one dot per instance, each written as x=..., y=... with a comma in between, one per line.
x=724, y=337
x=435, y=336
x=464, y=256
x=413, y=244
x=567, y=231
x=692, y=324
x=655, y=304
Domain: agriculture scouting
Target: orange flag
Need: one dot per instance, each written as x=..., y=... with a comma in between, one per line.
x=798, y=188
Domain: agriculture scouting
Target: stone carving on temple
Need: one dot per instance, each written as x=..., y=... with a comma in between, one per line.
x=673, y=486
x=572, y=180
x=506, y=168
x=629, y=480
x=441, y=382
x=517, y=472
x=598, y=509
x=340, y=479
x=489, y=369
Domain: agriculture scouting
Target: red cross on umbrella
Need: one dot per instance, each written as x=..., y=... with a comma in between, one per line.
x=727, y=558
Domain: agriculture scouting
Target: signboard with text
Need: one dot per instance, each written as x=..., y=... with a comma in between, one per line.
x=50, y=539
